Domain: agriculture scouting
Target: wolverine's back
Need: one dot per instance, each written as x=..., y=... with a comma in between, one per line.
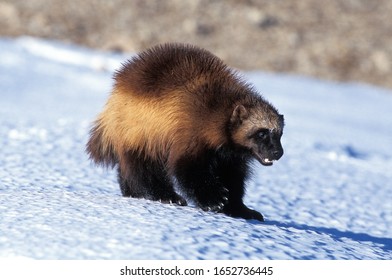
x=168, y=67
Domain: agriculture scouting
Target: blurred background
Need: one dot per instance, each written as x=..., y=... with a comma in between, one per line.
x=343, y=40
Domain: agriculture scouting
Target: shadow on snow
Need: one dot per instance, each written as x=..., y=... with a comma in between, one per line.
x=386, y=243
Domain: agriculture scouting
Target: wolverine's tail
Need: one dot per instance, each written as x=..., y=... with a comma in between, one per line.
x=100, y=148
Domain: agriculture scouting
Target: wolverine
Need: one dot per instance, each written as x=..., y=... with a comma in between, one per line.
x=181, y=126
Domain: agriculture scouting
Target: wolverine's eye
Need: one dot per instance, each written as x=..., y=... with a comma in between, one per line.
x=262, y=134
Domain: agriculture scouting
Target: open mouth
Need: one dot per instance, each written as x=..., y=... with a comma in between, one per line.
x=264, y=161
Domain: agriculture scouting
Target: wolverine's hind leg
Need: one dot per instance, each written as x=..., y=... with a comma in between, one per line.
x=148, y=179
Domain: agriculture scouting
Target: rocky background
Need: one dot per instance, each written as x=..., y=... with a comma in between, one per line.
x=344, y=40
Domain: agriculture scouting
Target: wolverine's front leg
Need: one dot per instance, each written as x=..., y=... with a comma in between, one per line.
x=198, y=179
x=232, y=171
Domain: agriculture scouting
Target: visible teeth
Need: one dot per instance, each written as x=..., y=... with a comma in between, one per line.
x=267, y=160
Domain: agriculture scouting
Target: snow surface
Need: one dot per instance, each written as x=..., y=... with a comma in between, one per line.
x=329, y=197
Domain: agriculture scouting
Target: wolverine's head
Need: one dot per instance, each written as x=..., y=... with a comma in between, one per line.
x=259, y=130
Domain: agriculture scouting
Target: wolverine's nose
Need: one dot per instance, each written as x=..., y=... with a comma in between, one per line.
x=277, y=154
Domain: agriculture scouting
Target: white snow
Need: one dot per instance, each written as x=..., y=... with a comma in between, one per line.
x=329, y=197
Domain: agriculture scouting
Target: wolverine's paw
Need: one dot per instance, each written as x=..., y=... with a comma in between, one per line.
x=241, y=211
x=214, y=201
x=174, y=199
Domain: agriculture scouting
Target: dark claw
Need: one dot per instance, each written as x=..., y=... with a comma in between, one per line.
x=258, y=216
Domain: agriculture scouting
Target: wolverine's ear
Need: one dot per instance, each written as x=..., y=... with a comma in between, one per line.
x=281, y=119
x=239, y=114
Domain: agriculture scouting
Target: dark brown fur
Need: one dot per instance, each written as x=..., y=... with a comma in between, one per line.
x=175, y=108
